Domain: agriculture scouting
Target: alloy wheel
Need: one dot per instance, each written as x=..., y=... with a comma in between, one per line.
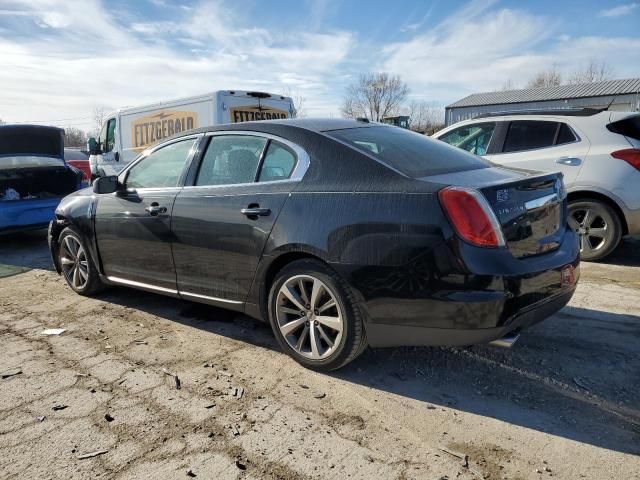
x=74, y=262
x=309, y=317
x=594, y=225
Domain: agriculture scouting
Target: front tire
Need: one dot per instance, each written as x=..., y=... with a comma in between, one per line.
x=314, y=316
x=598, y=225
x=76, y=264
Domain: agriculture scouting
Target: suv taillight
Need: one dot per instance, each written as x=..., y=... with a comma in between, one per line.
x=629, y=155
x=471, y=216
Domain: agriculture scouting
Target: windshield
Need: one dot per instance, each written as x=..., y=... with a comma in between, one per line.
x=411, y=153
x=29, y=161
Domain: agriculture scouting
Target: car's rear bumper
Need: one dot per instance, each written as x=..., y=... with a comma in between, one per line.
x=392, y=335
x=460, y=295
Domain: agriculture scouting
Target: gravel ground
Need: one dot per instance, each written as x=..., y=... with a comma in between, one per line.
x=564, y=402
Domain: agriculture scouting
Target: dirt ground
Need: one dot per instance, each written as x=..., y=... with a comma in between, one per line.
x=564, y=402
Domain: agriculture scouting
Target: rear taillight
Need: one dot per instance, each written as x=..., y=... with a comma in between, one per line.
x=629, y=155
x=471, y=216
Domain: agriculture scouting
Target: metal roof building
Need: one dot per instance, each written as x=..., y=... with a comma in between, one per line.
x=623, y=95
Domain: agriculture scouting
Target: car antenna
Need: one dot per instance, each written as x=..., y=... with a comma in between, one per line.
x=610, y=103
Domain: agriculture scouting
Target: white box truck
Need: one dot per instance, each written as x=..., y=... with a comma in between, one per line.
x=130, y=130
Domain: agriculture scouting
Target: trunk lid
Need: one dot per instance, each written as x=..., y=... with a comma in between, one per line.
x=530, y=206
x=31, y=141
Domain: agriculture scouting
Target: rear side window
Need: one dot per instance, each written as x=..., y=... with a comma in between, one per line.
x=529, y=134
x=472, y=138
x=278, y=163
x=410, y=153
x=565, y=135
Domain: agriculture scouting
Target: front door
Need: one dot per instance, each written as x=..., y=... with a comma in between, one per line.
x=222, y=222
x=133, y=226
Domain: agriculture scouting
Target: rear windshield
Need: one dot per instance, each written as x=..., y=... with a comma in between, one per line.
x=410, y=153
x=629, y=127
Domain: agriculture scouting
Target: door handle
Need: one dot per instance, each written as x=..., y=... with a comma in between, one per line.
x=571, y=161
x=256, y=211
x=155, y=209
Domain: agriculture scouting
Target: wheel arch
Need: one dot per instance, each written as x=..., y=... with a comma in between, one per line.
x=593, y=195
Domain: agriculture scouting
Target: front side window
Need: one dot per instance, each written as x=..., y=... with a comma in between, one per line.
x=472, y=138
x=111, y=135
x=278, y=163
x=530, y=134
x=230, y=159
x=102, y=139
x=161, y=168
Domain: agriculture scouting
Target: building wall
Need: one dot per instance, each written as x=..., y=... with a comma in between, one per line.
x=624, y=103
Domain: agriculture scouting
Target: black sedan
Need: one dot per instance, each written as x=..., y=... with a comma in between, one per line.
x=340, y=233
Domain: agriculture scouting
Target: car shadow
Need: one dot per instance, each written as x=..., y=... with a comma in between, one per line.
x=23, y=251
x=567, y=376
x=627, y=254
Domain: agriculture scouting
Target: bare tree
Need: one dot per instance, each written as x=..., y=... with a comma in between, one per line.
x=508, y=85
x=425, y=117
x=594, y=71
x=98, y=119
x=375, y=96
x=299, y=100
x=74, y=137
x=546, y=78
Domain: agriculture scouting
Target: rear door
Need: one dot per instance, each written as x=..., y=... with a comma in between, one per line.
x=133, y=227
x=543, y=145
x=221, y=222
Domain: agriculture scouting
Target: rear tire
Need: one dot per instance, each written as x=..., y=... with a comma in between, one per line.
x=314, y=316
x=599, y=227
x=76, y=264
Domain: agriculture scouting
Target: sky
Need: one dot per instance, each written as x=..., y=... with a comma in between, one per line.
x=62, y=59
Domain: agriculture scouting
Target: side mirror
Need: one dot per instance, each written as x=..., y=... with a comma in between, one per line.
x=92, y=146
x=106, y=184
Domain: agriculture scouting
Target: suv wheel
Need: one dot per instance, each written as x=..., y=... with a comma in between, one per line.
x=314, y=317
x=598, y=225
x=76, y=264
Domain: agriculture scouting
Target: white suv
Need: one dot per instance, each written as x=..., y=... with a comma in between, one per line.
x=597, y=151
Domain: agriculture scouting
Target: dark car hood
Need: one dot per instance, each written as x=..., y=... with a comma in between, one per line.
x=31, y=140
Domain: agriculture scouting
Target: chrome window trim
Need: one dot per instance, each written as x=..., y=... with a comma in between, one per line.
x=302, y=157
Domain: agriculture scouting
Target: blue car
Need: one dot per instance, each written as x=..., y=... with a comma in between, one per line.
x=33, y=176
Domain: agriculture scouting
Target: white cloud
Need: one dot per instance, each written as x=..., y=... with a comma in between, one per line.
x=619, y=10
x=103, y=62
x=480, y=48
x=86, y=55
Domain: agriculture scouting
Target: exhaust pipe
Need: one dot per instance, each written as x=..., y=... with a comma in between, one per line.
x=507, y=341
